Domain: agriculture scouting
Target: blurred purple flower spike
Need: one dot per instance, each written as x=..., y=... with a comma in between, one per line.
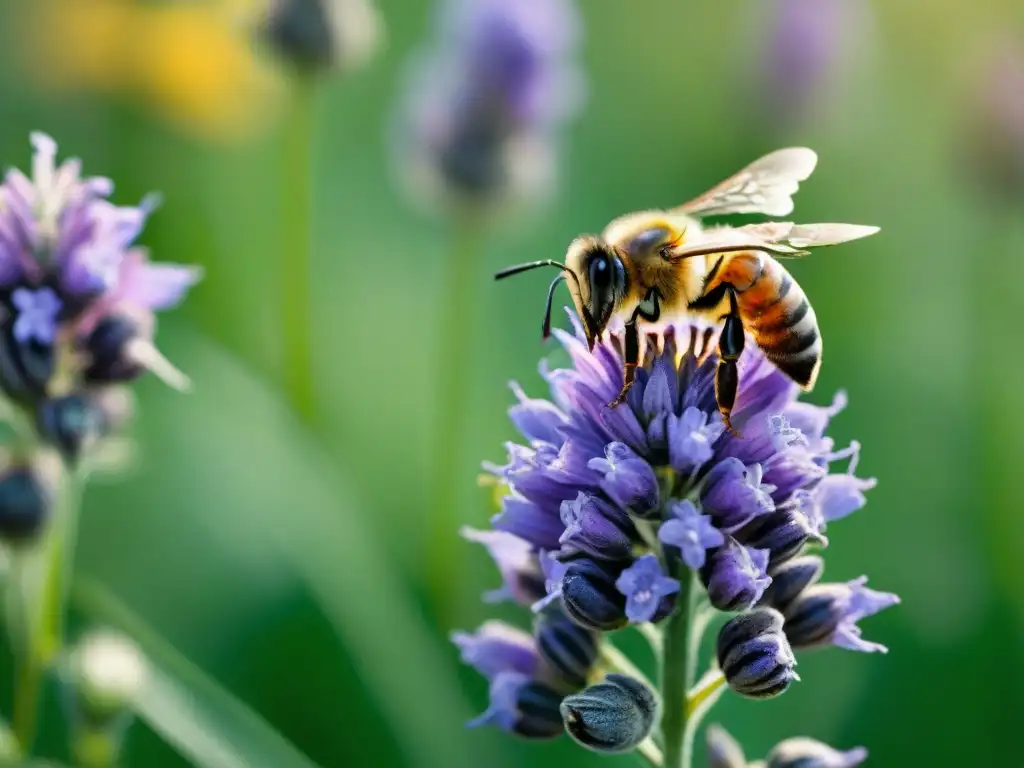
x=477, y=125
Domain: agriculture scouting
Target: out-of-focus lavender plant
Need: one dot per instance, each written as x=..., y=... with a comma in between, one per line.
x=314, y=39
x=78, y=300
x=652, y=515
x=995, y=131
x=805, y=50
x=475, y=135
x=477, y=128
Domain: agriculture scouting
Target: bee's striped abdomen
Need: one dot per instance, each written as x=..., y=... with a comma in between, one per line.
x=776, y=312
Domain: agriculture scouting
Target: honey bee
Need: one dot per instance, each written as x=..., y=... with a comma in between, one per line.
x=650, y=263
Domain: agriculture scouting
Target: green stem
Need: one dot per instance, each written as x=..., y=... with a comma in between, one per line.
x=40, y=587
x=675, y=669
x=296, y=274
x=615, y=660
x=454, y=342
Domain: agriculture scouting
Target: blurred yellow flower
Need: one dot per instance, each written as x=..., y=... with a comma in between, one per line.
x=192, y=63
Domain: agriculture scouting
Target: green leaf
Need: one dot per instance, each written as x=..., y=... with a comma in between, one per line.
x=194, y=714
x=238, y=466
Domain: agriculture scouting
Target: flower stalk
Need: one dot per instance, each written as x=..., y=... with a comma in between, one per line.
x=296, y=252
x=41, y=582
x=455, y=339
x=675, y=667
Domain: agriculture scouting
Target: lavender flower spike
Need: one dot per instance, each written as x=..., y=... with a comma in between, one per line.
x=76, y=288
x=650, y=512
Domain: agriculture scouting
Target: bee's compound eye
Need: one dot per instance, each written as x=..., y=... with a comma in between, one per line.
x=600, y=272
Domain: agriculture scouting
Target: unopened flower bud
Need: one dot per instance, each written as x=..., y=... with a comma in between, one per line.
x=723, y=750
x=790, y=579
x=782, y=532
x=628, y=479
x=735, y=576
x=106, y=672
x=755, y=656
x=613, y=716
x=827, y=614
x=26, y=366
x=321, y=35
x=807, y=753
x=72, y=423
x=569, y=650
x=590, y=597
x=522, y=706
x=107, y=347
x=25, y=502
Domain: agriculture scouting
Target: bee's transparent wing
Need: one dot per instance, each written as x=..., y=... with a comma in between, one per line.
x=765, y=186
x=779, y=238
x=801, y=236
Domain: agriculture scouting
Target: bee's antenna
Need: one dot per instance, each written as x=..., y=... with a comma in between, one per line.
x=546, y=328
x=509, y=271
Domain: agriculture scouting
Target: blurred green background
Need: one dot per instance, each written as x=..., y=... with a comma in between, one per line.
x=288, y=561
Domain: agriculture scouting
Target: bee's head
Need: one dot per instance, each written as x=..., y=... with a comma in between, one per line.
x=600, y=284
x=596, y=277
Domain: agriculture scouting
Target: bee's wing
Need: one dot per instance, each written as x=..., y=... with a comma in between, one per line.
x=779, y=238
x=800, y=236
x=765, y=186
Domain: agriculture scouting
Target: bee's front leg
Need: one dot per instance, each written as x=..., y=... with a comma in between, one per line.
x=632, y=358
x=727, y=377
x=650, y=310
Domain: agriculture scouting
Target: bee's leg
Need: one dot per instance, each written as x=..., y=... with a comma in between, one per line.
x=650, y=310
x=730, y=347
x=631, y=357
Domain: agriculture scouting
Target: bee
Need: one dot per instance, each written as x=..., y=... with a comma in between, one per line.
x=650, y=263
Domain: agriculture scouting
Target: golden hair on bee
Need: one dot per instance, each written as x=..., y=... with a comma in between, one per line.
x=648, y=263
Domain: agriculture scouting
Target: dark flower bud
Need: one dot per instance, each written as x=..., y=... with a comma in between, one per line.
x=320, y=35
x=808, y=753
x=613, y=716
x=25, y=501
x=790, y=579
x=827, y=614
x=72, y=423
x=594, y=527
x=628, y=479
x=782, y=532
x=723, y=750
x=522, y=706
x=590, y=597
x=735, y=576
x=25, y=366
x=755, y=656
x=569, y=650
x=539, y=716
x=107, y=346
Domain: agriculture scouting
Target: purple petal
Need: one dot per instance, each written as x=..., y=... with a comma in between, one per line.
x=536, y=419
x=690, y=532
x=497, y=647
x=645, y=585
x=517, y=563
